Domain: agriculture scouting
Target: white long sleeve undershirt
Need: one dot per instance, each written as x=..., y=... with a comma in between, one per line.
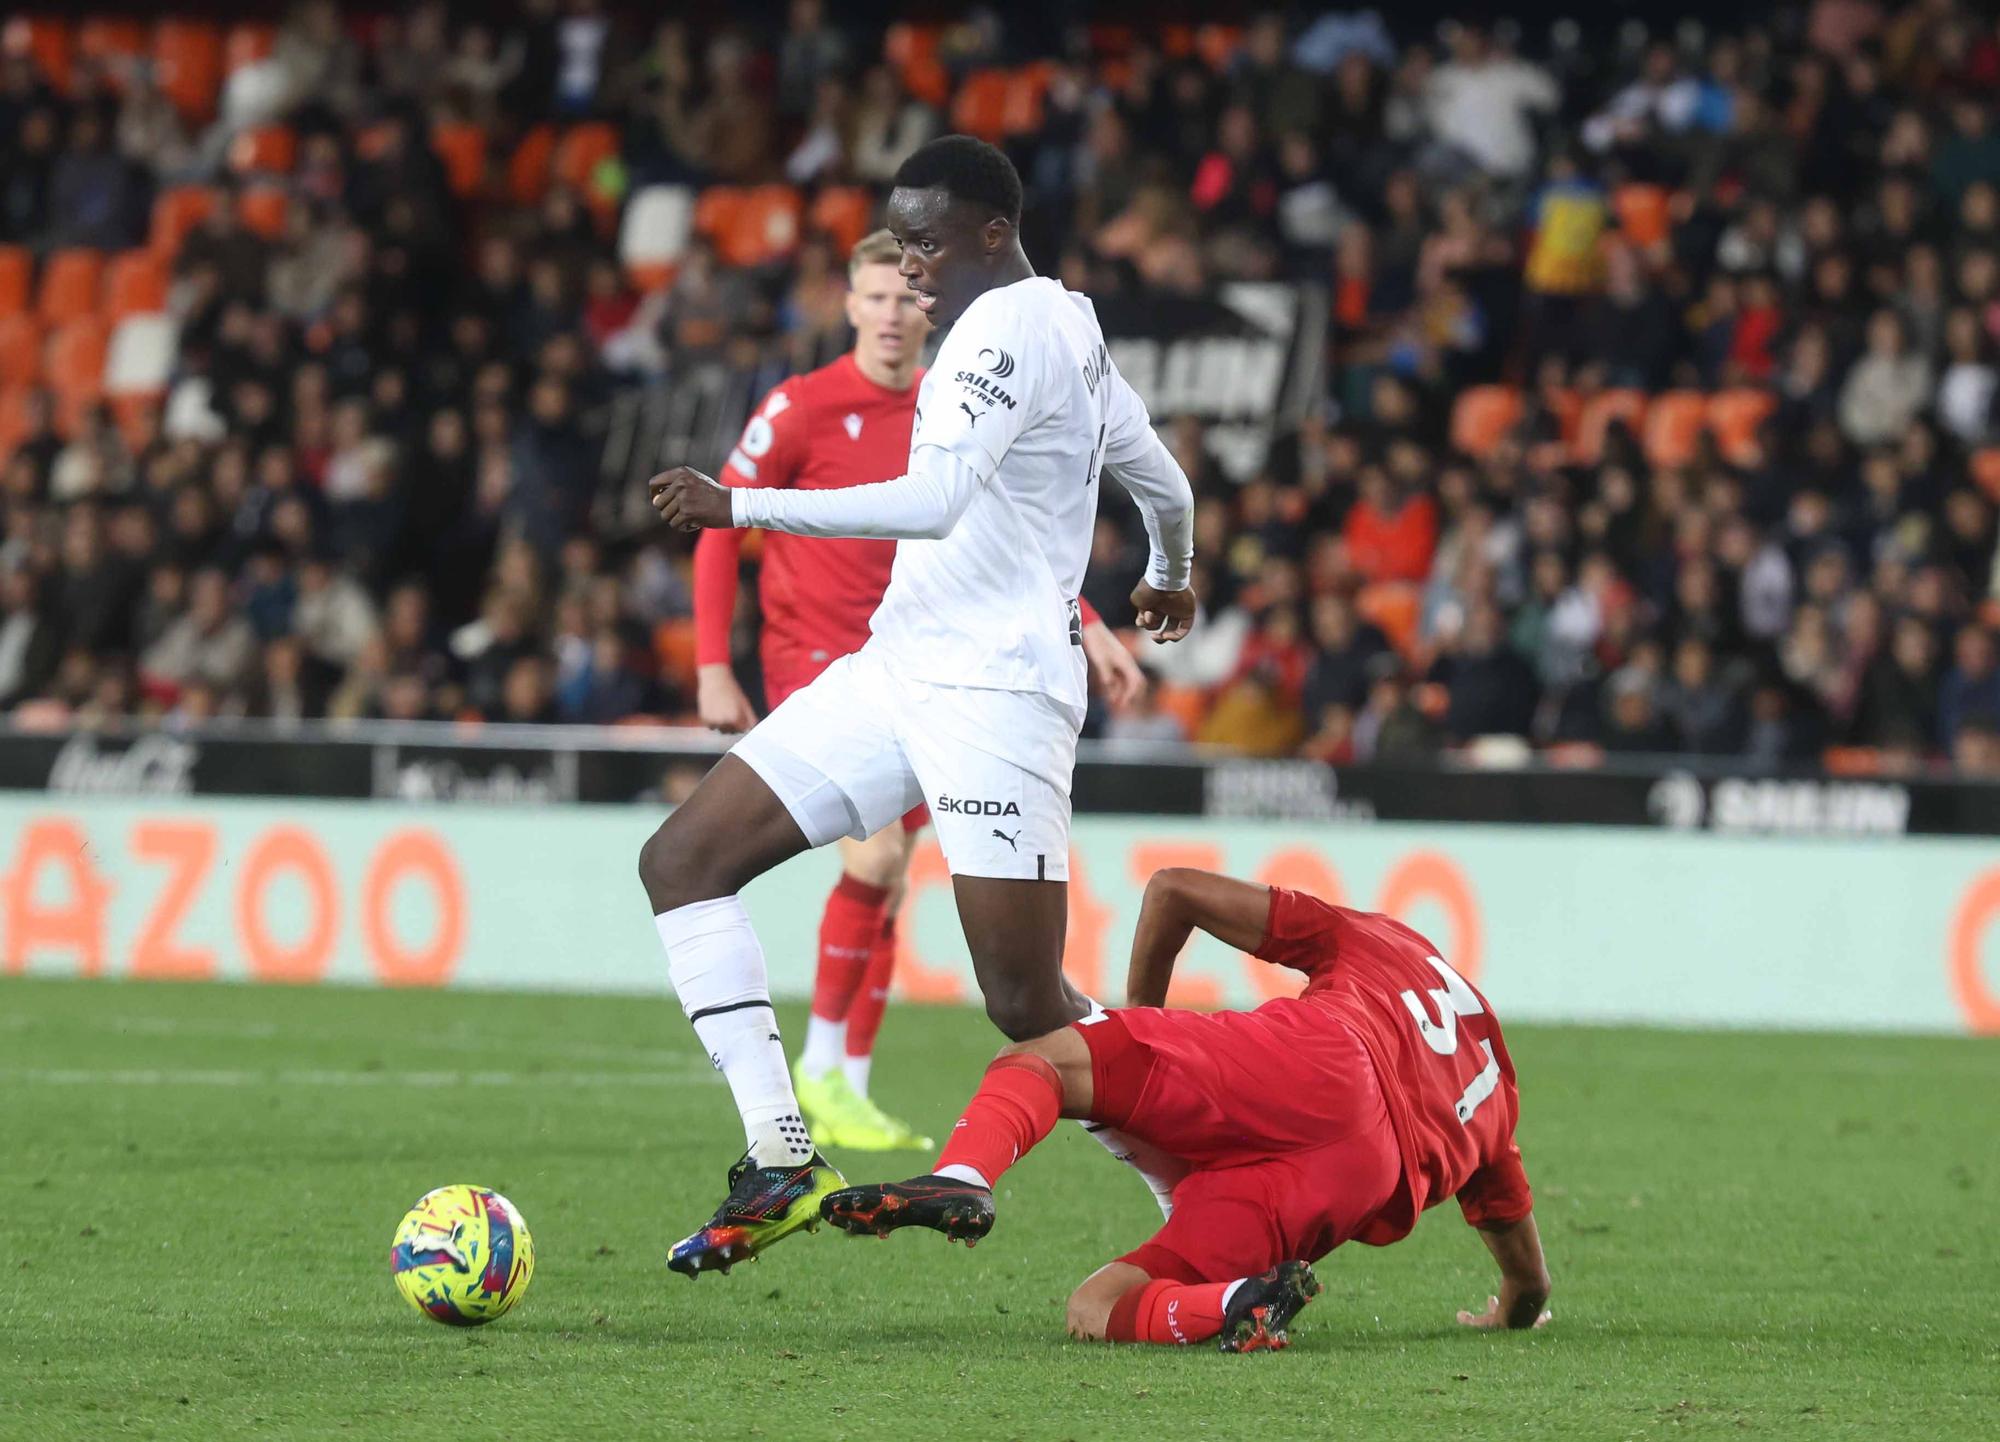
x=921, y=505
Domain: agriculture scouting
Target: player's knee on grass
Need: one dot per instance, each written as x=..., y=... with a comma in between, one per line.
x=1088, y=1315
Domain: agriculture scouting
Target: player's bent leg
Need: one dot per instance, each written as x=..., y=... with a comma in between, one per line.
x=1090, y=1305
x=1122, y=1302
x=732, y=829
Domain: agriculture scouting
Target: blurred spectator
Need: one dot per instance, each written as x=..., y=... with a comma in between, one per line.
x=1740, y=294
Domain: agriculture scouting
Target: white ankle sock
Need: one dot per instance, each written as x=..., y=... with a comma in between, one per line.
x=858, y=1069
x=959, y=1172
x=826, y=1044
x=717, y=968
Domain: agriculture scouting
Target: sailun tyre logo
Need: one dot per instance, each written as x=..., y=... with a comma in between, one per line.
x=1002, y=364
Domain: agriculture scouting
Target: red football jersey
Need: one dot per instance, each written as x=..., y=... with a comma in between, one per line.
x=1437, y=1049
x=825, y=429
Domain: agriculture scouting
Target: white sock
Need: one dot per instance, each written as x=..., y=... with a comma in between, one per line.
x=960, y=1172
x=826, y=1044
x=1229, y=1292
x=1152, y=1169
x=858, y=1069
x=717, y=968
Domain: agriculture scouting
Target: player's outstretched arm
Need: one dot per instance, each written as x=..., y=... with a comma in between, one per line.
x=1177, y=901
x=1524, y=1278
x=923, y=505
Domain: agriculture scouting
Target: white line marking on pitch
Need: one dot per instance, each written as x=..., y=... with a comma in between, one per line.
x=149, y=1076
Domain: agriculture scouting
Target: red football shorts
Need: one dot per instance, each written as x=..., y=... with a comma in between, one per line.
x=1292, y=1153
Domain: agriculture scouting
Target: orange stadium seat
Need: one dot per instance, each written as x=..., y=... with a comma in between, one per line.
x=912, y=50
x=264, y=209
x=17, y=278
x=43, y=39
x=1187, y=705
x=673, y=647
x=750, y=225
x=175, y=213
x=1642, y=213
x=1397, y=608
x=246, y=44
x=135, y=280
x=1217, y=44
x=137, y=419
x=980, y=107
x=579, y=155
x=1481, y=418
x=461, y=149
x=1599, y=412
x=1177, y=40
x=653, y=235
x=1674, y=424
x=20, y=349
x=267, y=149
x=1852, y=760
x=114, y=43
x=187, y=57
x=76, y=359
x=842, y=213
x=1984, y=468
x=71, y=280
x=1737, y=416
x=528, y=168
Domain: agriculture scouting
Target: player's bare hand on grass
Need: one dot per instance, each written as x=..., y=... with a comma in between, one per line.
x=1116, y=673
x=1493, y=1319
x=1163, y=615
x=721, y=702
x=689, y=501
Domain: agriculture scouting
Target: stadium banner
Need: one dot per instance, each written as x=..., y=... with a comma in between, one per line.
x=1558, y=924
x=543, y=765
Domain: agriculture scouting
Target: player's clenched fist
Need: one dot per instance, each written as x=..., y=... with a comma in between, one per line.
x=689, y=501
x=1163, y=615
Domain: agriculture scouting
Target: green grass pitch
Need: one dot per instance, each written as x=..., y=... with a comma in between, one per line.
x=1751, y=1235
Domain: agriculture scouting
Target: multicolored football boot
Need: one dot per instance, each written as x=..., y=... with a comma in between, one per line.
x=1263, y=1307
x=962, y=1211
x=764, y=1206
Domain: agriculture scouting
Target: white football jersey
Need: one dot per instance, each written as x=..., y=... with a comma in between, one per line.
x=1023, y=392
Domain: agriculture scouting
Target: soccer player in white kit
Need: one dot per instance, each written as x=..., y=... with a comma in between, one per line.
x=969, y=692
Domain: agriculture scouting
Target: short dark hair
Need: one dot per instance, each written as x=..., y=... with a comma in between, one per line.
x=965, y=168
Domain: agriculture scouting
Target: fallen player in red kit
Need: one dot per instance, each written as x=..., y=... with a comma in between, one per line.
x=1338, y=1115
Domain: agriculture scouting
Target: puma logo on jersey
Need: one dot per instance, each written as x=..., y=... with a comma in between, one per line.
x=969, y=412
x=1002, y=364
x=853, y=424
x=1010, y=840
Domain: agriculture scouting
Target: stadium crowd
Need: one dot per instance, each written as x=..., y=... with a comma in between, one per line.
x=1659, y=411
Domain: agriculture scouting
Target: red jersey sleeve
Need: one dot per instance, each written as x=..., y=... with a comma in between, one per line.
x=767, y=454
x=1299, y=933
x=1498, y=1192
x=773, y=442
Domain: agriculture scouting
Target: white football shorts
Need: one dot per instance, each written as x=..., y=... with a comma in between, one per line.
x=859, y=746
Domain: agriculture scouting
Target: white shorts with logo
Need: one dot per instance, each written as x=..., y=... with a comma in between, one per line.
x=851, y=752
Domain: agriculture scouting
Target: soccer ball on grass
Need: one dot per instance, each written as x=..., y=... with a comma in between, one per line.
x=462, y=1256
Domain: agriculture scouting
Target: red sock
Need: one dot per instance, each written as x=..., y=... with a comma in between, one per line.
x=1016, y=1105
x=864, y=1014
x=1170, y=1312
x=846, y=937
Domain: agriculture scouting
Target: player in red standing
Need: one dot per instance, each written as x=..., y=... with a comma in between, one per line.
x=846, y=424
x=1338, y=1115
